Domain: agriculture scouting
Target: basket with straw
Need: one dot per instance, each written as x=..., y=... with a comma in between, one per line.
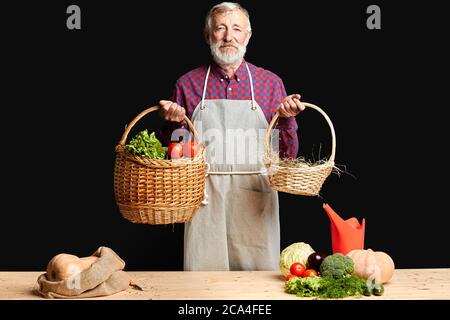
x=297, y=176
x=153, y=191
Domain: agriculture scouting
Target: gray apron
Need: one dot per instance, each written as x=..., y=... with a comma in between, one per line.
x=239, y=227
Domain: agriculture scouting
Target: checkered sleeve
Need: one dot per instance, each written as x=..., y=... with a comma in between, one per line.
x=286, y=126
x=169, y=126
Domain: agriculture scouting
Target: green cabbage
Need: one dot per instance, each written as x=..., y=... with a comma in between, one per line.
x=296, y=252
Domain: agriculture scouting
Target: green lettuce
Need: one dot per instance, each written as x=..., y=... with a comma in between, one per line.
x=147, y=145
x=327, y=287
x=304, y=287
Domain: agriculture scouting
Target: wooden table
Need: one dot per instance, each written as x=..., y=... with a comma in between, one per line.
x=407, y=284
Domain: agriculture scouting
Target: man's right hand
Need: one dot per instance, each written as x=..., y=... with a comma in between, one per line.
x=171, y=111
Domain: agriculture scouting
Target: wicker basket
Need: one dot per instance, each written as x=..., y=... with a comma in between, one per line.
x=301, y=179
x=158, y=191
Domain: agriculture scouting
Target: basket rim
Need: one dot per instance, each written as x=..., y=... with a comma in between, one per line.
x=268, y=145
x=165, y=163
x=312, y=169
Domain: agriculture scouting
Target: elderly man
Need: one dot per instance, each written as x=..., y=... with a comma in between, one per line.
x=227, y=100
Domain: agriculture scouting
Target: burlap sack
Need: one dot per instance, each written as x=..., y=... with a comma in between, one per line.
x=104, y=277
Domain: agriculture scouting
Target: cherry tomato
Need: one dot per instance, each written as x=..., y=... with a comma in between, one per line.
x=289, y=277
x=310, y=273
x=175, y=150
x=297, y=269
x=190, y=149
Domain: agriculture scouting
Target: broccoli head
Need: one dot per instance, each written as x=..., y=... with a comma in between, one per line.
x=337, y=266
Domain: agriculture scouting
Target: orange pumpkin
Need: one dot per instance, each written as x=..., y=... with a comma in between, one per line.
x=376, y=265
x=64, y=266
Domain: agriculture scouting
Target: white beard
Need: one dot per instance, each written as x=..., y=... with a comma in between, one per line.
x=223, y=59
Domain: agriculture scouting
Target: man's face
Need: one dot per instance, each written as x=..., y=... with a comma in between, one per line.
x=229, y=36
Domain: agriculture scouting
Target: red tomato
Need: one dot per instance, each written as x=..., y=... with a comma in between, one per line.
x=190, y=149
x=297, y=269
x=175, y=150
x=310, y=273
x=289, y=277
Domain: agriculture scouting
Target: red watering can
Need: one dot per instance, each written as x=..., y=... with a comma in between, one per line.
x=346, y=235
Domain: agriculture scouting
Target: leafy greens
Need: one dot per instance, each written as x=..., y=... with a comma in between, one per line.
x=147, y=145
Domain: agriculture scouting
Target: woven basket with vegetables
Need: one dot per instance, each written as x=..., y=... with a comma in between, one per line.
x=151, y=189
x=297, y=176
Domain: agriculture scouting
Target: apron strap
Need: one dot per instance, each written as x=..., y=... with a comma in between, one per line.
x=251, y=87
x=202, y=105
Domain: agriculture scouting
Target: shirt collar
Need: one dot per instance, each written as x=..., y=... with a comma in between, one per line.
x=240, y=74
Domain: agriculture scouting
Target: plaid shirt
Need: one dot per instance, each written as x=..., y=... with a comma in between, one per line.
x=268, y=91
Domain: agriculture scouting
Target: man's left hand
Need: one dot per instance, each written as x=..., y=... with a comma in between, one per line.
x=291, y=106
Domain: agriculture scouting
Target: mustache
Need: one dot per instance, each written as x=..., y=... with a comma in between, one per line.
x=223, y=44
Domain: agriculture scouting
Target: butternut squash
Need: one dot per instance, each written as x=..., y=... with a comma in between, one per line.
x=376, y=265
x=64, y=266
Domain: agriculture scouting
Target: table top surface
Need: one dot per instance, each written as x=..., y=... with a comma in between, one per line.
x=406, y=284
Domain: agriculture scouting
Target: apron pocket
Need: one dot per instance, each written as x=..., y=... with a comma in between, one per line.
x=253, y=230
x=249, y=214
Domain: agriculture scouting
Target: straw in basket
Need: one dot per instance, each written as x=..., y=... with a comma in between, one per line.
x=154, y=191
x=298, y=177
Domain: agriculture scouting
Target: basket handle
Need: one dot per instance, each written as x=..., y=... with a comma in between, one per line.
x=146, y=111
x=309, y=105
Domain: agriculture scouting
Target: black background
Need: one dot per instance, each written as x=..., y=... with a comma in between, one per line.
x=67, y=95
